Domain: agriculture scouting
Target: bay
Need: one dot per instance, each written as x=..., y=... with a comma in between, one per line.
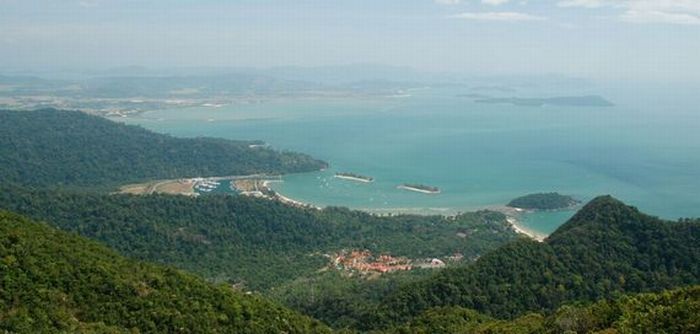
x=645, y=150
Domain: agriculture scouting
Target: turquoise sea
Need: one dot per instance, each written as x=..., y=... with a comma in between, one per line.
x=645, y=150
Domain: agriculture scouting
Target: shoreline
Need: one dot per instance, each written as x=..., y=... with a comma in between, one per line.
x=286, y=200
x=512, y=214
x=185, y=186
x=514, y=224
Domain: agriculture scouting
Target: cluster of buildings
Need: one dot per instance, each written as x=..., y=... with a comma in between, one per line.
x=364, y=261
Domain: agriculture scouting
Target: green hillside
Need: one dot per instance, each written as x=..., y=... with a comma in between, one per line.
x=52, y=281
x=607, y=248
x=543, y=201
x=69, y=148
x=261, y=243
x=343, y=300
x=674, y=311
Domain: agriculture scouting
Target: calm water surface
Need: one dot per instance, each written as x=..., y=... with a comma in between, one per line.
x=645, y=150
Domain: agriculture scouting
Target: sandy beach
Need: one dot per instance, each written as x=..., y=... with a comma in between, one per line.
x=285, y=199
x=419, y=211
x=518, y=228
x=186, y=187
x=293, y=202
x=511, y=213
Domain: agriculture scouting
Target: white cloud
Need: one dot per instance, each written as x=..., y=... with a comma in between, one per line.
x=646, y=11
x=582, y=3
x=447, y=2
x=659, y=17
x=494, y=2
x=498, y=16
x=456, y=2
x=89, y=3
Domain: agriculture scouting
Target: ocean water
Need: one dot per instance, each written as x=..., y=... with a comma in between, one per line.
x=645, y=150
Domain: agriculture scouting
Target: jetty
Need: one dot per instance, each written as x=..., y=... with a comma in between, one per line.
x=354, y=177
x=421, y=188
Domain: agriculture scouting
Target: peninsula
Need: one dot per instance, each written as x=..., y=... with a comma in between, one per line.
x=420, y=188
x=354, y=177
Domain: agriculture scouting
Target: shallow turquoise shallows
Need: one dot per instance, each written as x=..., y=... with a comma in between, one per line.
x=645, y=150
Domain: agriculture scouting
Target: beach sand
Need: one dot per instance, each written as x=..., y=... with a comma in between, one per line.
x=518, y=228
x=512, y=215
x=185, y=187
x=285, y=199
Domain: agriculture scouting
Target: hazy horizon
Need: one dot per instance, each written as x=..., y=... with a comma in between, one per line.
x=594, y=39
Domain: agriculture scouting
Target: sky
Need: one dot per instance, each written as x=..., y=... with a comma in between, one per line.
x=608, y=39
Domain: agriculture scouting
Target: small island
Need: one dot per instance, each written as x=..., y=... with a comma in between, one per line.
x=570, y=101
x=354, y=177
x=421, y=188
x=543, y=201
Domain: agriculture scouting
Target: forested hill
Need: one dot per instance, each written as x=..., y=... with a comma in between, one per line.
x=607, y=248
x=256, y=241
x=69, y=148
x=56, y=282
x=673, y=311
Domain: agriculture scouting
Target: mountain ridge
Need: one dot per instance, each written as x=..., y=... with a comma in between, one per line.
x=588, y=259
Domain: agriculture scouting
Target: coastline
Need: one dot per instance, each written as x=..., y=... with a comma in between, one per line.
x=510, y=213
x=515, y=225
x=285, y=199
x=416, y=211
x=186, y=187
x=181, y=186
